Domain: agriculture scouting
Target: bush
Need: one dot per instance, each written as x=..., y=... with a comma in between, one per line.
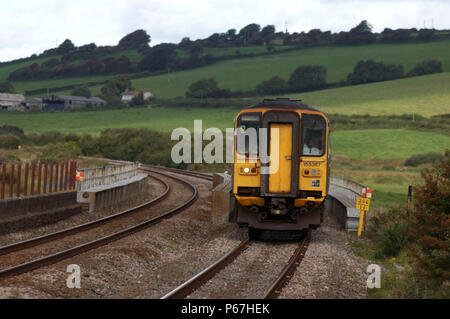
x=416, y=160
x=274, y=85
x=370, y=71
x=9, y=141
x=207, y=88
x=426, y=67
x=392, y=239
x=59, y=152
x=430, y=225
x=308, y=78
x=12, y=130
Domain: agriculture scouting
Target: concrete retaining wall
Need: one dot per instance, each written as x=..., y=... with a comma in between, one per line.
x=220, y=201
x=103, y=196
x=11, y=208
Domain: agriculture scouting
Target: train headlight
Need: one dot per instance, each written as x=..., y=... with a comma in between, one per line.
x=246, y=170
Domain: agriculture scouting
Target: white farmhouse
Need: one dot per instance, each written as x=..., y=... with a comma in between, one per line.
x=128, y=95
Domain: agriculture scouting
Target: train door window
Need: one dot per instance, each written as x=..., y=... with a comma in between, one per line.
x=247, y=131
x=313, y=135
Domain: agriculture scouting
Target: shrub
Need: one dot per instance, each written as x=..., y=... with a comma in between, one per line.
x=9, y=141
x=430, y=225
x=307, y=78
x=274, y=85
x=426, y=67
x=370, y=71
x=59, y=152
x=12, y=130
x=416, y=160
x=392, y=239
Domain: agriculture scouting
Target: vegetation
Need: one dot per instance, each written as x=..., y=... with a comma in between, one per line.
x=308, y=78
x=370, y=71
x=426, y=67
x=6, y=87
x=419, y=159
x=81, y=91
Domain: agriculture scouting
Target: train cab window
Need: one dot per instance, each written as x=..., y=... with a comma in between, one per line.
x=313, y=135
x=247, y=130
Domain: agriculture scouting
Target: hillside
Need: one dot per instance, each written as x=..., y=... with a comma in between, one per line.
x=245, y=73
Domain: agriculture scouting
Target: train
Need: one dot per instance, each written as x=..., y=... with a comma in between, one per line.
x=281, y=168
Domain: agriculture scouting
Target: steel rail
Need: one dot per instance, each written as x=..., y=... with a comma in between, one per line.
x=195, y=282
x=288, y=271
x=51, y=259
x=201, y=175
x=79, y=228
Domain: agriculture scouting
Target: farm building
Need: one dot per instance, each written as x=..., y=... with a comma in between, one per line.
x=33, y=104
x=12, y=102
x=61, y=103
x=128, y=95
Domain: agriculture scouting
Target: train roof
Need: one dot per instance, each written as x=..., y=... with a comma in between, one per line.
x=282, y=103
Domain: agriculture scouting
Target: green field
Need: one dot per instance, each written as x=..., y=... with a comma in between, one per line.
x=246, y=73
x=387, y=144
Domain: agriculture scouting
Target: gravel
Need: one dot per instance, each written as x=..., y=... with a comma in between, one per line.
x=154, y=261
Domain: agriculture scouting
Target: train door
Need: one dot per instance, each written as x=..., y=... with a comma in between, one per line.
x=283, y=149
x=280, y=158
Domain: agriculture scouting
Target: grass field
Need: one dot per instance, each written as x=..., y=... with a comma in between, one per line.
x=246, y=73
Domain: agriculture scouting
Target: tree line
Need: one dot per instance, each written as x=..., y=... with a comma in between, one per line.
x=164, y=56
x=313, y=77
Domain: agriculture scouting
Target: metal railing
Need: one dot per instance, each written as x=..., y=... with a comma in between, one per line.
x=105, y=176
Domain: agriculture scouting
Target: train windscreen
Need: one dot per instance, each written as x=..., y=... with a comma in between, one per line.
x=313, y=135
x=247, y=129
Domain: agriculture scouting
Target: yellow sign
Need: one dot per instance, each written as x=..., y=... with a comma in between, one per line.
x=19, y=147
x=363, y=204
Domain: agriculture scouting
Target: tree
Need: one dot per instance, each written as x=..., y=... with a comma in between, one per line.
x=81, y=91
x=202, y=88
x=430, y=226
x=160, y=57
x=268, y=32
x=307, y=78
x=115, y=87
x=138, y=39
x=274, y=85
x=370, y=71
x=6, y=87
x=426, y=67
x=250, y=33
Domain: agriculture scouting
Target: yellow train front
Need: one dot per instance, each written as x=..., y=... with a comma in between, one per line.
x=280, y=180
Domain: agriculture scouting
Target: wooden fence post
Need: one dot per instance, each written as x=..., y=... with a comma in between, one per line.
x=11, y=181
x=33, y=175
x=39, y=178
x=25, y=183
x=51, y=178
x=19, y=173
x=66, y=171
x=44, y=189
x=61, y=180
x=3, y=180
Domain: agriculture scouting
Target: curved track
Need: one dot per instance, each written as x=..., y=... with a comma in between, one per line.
x=53, y=258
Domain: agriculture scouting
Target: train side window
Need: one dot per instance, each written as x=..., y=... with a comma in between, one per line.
x=247, y=131
x=313, y=135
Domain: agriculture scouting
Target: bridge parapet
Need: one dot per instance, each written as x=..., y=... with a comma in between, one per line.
x=341, y=201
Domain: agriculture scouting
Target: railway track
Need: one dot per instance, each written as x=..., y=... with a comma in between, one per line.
x=208, y=273
x=23, y=267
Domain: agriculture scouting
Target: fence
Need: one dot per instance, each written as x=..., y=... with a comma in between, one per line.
x=24, y=179
x=103, y=176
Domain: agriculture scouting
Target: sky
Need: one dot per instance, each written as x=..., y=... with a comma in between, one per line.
x=32, y=26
